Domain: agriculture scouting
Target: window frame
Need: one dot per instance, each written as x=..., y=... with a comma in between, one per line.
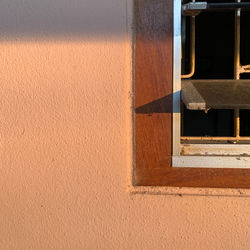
x=154, y=110
x=204, y=155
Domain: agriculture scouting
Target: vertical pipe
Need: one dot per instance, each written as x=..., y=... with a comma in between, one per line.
x=237, y=122
x=237, y=67
x=183, y=44
x=182, y=119
x=192, y=49
x=237, y=44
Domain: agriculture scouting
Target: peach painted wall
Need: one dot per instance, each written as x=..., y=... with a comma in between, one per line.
x=65, y=140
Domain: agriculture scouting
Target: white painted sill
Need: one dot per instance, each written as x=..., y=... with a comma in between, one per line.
x=238, y=162
x=213, y=156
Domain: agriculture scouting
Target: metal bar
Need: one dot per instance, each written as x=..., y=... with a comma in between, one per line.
x=245, y=68
x=237, y=45
x=192, y=49
x=237, y=123
x=182, y=120
x=183, y=42
x=228, y=6
x=176, y=117
x=237, y=66
x=239, y=69
x=214, y=138
x=195, y=8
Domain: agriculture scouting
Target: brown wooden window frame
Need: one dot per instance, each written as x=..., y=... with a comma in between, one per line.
x=153, y=69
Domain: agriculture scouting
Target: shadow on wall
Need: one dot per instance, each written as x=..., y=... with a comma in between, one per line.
x=61, y=18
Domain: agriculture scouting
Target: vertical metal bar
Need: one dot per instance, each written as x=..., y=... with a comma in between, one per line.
x=237, y=67
x=176, y=78
x=192, y=49
x=237, y=44
x=237, y=122
x=183, y=45
x=182, y=119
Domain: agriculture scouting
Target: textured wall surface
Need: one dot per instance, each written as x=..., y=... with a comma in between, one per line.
x=65, y=133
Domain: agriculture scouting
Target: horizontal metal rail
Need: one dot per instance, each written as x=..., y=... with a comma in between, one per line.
x=227, y=6
x=215, y=138
x=195, y=8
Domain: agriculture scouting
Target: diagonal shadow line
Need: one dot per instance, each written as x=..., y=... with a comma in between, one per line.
x=162, y=105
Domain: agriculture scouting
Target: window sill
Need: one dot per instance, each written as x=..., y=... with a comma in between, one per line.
x=176, y=191
x=191, y=161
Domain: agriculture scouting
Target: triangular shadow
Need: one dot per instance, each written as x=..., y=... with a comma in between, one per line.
x=162, y=105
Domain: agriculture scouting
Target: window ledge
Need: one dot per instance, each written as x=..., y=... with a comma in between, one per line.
x=216, y=94
x=192, y=161
x=179, y=191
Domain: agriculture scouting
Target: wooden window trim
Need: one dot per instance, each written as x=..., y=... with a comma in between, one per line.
x=153, y=107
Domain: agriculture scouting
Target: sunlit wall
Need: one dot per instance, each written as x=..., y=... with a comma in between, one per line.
x=65, y=140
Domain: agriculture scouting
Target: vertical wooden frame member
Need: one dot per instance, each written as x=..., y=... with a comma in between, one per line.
x=153, y=107
x=153, y=82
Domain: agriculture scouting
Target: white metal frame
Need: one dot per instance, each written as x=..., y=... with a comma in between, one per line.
x=198, y=155
x=176, y=77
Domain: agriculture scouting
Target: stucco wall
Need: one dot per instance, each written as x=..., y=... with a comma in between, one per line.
x=65, y=140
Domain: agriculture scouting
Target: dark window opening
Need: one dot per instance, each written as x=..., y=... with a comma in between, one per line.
x=214, y=55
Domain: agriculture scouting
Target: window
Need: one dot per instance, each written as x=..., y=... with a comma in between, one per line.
x=157, y=115
x=213, y=97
